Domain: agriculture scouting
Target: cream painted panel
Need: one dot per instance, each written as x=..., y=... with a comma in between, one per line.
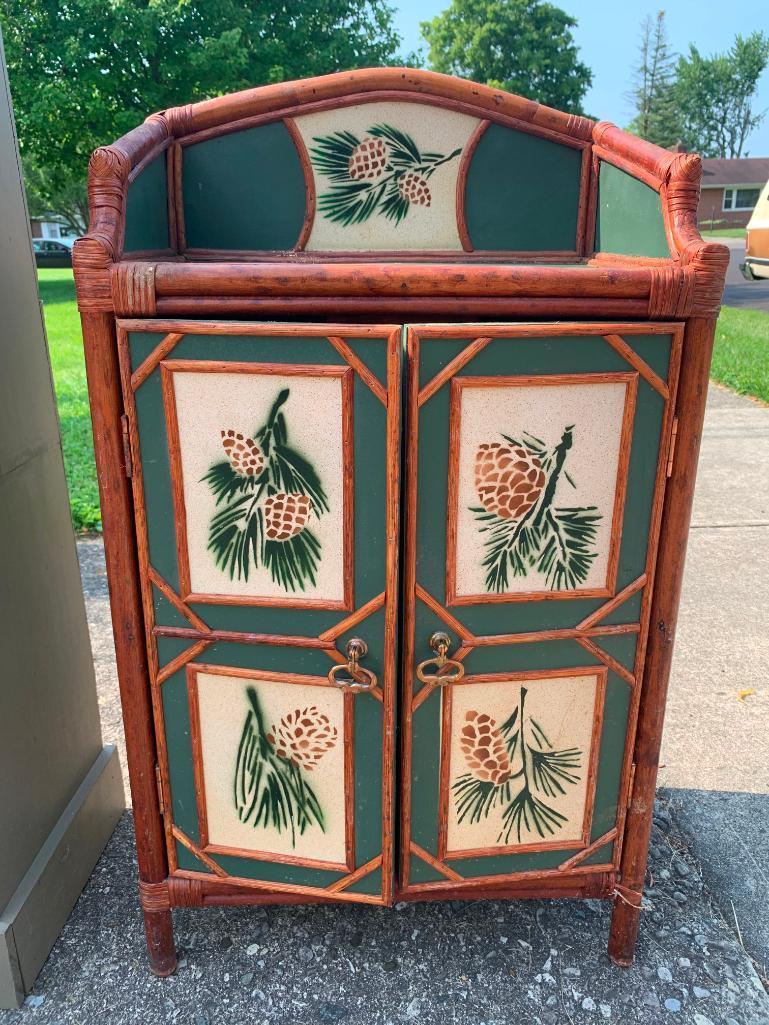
x=557, y=715
x=224, y=706
x=510, y=476
x=372, y=168
x=207, y=404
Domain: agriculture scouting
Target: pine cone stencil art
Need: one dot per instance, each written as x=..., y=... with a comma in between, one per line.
x=285, y=515
x=266, y=496
x=368, y=160
x=244, y=454
x=516, y=482
x=385, y=172
x=508, y=478
x=303, y=737
x=484, y=749
x=414, y=189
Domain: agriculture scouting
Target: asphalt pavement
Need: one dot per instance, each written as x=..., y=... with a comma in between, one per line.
x=750, y=295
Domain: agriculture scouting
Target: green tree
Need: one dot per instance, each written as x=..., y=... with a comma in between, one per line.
x=654, y=93
x=716, y=96
x=86, y=71
x=524, y=46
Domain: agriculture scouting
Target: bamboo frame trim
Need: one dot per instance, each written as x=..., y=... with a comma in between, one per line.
x=164, y=349
x=621, y=596
x=620, y=488
x=236, y=636
x=168, y=592
x=275, y=888
x=354, y=619
x=182, y=659
x=630, y=356
x=360, y=368
x=464, y=166
x=607, y=659
x=198, y=768
x=309, y=182
x=444, y=795
x=433, y=862
x=596, y=845
x=353, y=877
x=170, y=367
x=193, y=848
x=464, y=357
x=500, y=884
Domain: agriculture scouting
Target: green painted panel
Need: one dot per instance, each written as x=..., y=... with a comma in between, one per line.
x=629, y=216
x=534, y=356
x=370, y=481
x=522, y=193
x=511, y=357
x=244, y=190
x=146, y=218
x=369, y=439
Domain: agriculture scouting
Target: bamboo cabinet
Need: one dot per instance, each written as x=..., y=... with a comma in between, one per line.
x=397, y=384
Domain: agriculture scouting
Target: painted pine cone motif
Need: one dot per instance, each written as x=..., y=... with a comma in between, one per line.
x=514, y=771
x=508, y=478
x=524, y=531
x=303, y=737
x=270, y=790
x=286, y=515
x=383, y=173
x=368, y=160
x=245, y=456
x=266, y=497
x=484, y=748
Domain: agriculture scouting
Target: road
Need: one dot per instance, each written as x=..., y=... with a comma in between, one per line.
x=739, y=292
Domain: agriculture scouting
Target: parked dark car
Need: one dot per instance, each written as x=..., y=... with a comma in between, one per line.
x=49, y=253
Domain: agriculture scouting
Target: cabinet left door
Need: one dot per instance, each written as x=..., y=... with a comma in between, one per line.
x=264, y=462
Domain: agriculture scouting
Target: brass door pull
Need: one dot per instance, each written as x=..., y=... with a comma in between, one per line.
x=358, y=678
x=447, y=670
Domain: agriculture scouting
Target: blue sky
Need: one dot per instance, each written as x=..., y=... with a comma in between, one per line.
x=608, y=35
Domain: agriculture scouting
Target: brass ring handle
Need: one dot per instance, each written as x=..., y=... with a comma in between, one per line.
x=447, y=670
x=358, y=679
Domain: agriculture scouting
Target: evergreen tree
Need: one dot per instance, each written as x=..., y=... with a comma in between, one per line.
x=654, y=93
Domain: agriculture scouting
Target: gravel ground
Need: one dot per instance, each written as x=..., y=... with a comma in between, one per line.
x=486, y=963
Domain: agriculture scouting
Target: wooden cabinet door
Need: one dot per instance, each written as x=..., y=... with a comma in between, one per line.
x=265, y=476
x=536, y=464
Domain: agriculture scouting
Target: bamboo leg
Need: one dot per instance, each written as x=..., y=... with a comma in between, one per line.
x=160, y=942
x=692, y=393
x=127, y=623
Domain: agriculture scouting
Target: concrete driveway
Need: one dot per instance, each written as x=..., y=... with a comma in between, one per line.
x=749, y=295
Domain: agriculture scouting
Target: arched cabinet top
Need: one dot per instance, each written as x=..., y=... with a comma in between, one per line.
x=391, y=168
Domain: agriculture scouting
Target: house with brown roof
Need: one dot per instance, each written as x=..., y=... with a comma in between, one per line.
x=730, y=190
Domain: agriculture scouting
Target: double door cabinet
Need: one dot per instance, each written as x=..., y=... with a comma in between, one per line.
x=397, y=383
x=267, y=462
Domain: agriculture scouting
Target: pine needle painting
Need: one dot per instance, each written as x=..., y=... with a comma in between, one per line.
x=514, y=768
x=384, y=172
x=271, y=789
x=516, y=480
x=267, y=496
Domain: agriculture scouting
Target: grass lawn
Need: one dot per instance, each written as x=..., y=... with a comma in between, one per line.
x=741, y=354
x=65, y=345
x=740, y=361
x=724, y=233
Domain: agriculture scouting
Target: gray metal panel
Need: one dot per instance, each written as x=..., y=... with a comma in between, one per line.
x=50, y=735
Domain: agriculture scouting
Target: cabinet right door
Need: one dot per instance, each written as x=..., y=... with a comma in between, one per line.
x=536, y=468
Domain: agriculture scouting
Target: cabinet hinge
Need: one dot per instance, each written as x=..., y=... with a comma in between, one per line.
x=159, y=782
x=672, y=446
x=126, y=446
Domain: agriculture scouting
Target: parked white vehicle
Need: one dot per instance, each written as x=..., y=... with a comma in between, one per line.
x=756, y=263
